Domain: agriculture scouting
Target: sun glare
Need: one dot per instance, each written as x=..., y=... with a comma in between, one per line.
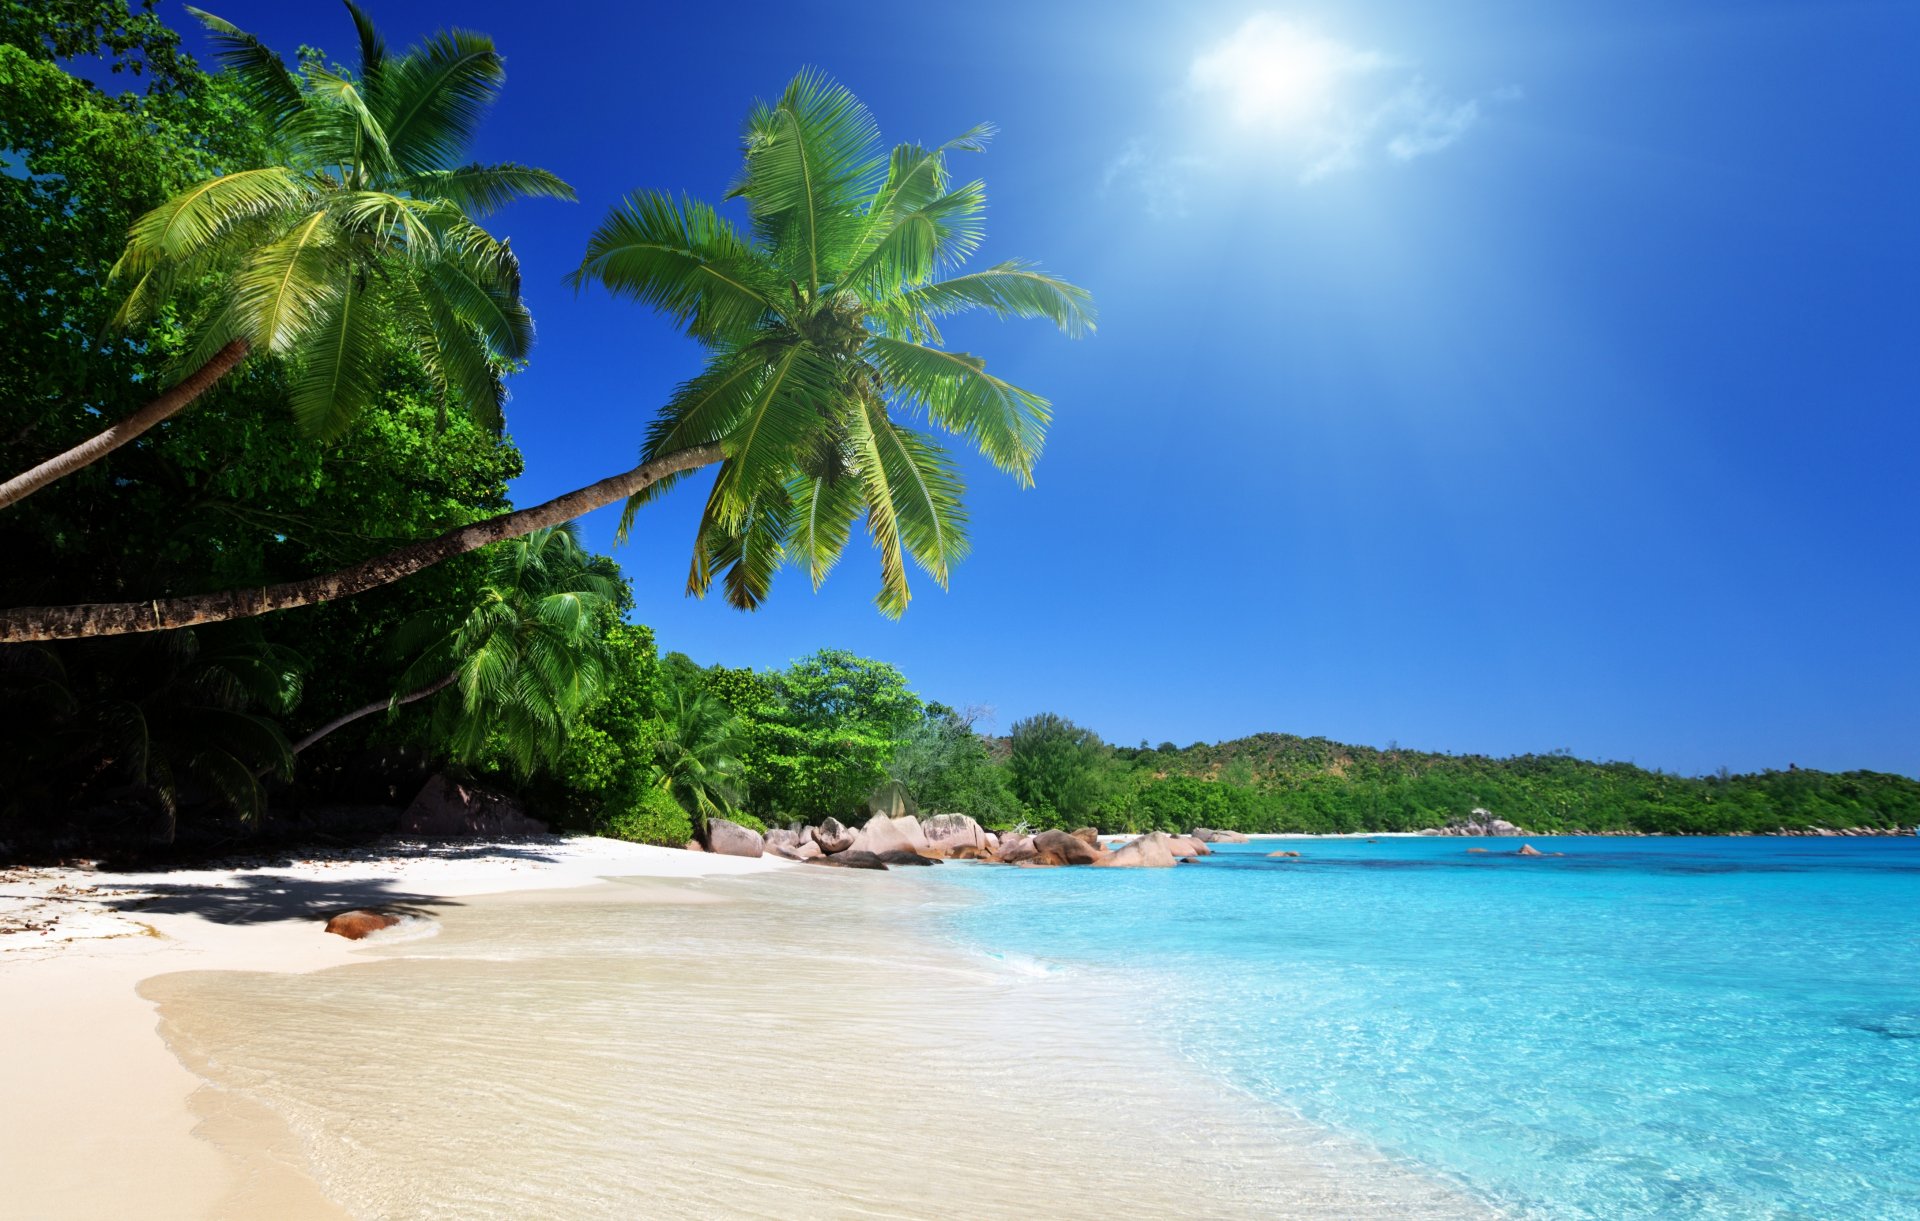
x=1273, y=73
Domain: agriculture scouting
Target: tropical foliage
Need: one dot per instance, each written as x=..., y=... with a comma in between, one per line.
x=821, y=327
x=524, y=659
x=357, y=233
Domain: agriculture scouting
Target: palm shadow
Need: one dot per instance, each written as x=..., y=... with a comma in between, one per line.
x=263, y=898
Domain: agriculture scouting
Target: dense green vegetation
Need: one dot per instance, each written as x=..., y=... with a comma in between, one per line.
x=348, y=468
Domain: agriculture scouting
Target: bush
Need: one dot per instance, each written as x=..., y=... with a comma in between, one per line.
x=653, y=817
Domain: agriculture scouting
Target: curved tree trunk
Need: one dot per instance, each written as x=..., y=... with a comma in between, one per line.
x=125, y=618
x=347, y=718
x=101, y=444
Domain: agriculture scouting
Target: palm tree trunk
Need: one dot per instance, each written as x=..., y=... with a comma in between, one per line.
x=347, y=718
x=101, y=444
x=125, y=618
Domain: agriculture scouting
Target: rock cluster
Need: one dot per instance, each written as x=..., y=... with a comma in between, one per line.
x=902, y=839
x=1477, y=822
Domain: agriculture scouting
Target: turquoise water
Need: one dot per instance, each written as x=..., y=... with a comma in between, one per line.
x=1720, y=1028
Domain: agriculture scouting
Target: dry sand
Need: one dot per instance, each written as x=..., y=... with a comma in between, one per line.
x=99, y=1120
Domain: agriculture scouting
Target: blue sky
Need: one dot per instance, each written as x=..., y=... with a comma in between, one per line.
x=1488, y=376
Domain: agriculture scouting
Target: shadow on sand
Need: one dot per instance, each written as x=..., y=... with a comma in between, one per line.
x=261, y=897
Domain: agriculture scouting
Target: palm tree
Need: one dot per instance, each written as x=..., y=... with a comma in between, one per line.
x=363, y=229
x=822, y=331
x=524, y=659
x=698, y=757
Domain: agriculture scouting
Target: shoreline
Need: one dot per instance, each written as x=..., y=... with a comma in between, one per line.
x=141, y=1014
x=113, y=1129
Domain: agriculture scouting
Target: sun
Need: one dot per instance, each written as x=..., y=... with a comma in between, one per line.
x=1275, y=74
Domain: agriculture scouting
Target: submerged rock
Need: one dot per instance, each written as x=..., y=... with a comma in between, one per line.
x=354, y=925
x=1290, y=853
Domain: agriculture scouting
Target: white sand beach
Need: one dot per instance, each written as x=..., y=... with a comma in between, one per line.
x=110, y=1129
x=708, y=1036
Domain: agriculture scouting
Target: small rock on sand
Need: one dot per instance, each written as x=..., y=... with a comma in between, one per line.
x=354, y=925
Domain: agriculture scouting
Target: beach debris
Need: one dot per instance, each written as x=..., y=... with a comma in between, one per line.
x=732, y=839
x=1207, y=835
x=1288, y=852
x=358, y=923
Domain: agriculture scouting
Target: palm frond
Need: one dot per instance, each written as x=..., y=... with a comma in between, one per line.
x=342, y=365
x=941, y=232
x=883, y=521
x=779, y=416
x=1012, y=289
x=479, y=190
x=434, y=96
x=927, y=495
x=194, y=220
x=359, y=141
x=821, y=520
x=1007, y=423
x=373, y=52
x=683, y=259
x=812, y=160
x=285, y=289
x=266, y=86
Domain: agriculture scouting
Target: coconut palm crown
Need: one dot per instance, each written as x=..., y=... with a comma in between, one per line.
x=824, y=354
x=364, y=227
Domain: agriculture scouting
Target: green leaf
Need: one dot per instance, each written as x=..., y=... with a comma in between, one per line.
x=1008, y=423
x=479, y=190
x=683, y=260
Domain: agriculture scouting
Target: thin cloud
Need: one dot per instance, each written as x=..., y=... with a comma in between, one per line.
x=1317, y=105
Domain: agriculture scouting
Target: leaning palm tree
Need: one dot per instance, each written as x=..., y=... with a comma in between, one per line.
x=523, y=659
x=821, y=323
x=363, y=228
x=698, y=757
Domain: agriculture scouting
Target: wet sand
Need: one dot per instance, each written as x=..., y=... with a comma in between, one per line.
x=800, y=1045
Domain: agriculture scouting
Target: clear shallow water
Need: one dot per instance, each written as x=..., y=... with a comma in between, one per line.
x=775, y=1047
x=1721, y=1028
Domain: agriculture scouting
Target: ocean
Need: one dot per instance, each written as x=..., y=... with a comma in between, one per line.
x=1641, y=1028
